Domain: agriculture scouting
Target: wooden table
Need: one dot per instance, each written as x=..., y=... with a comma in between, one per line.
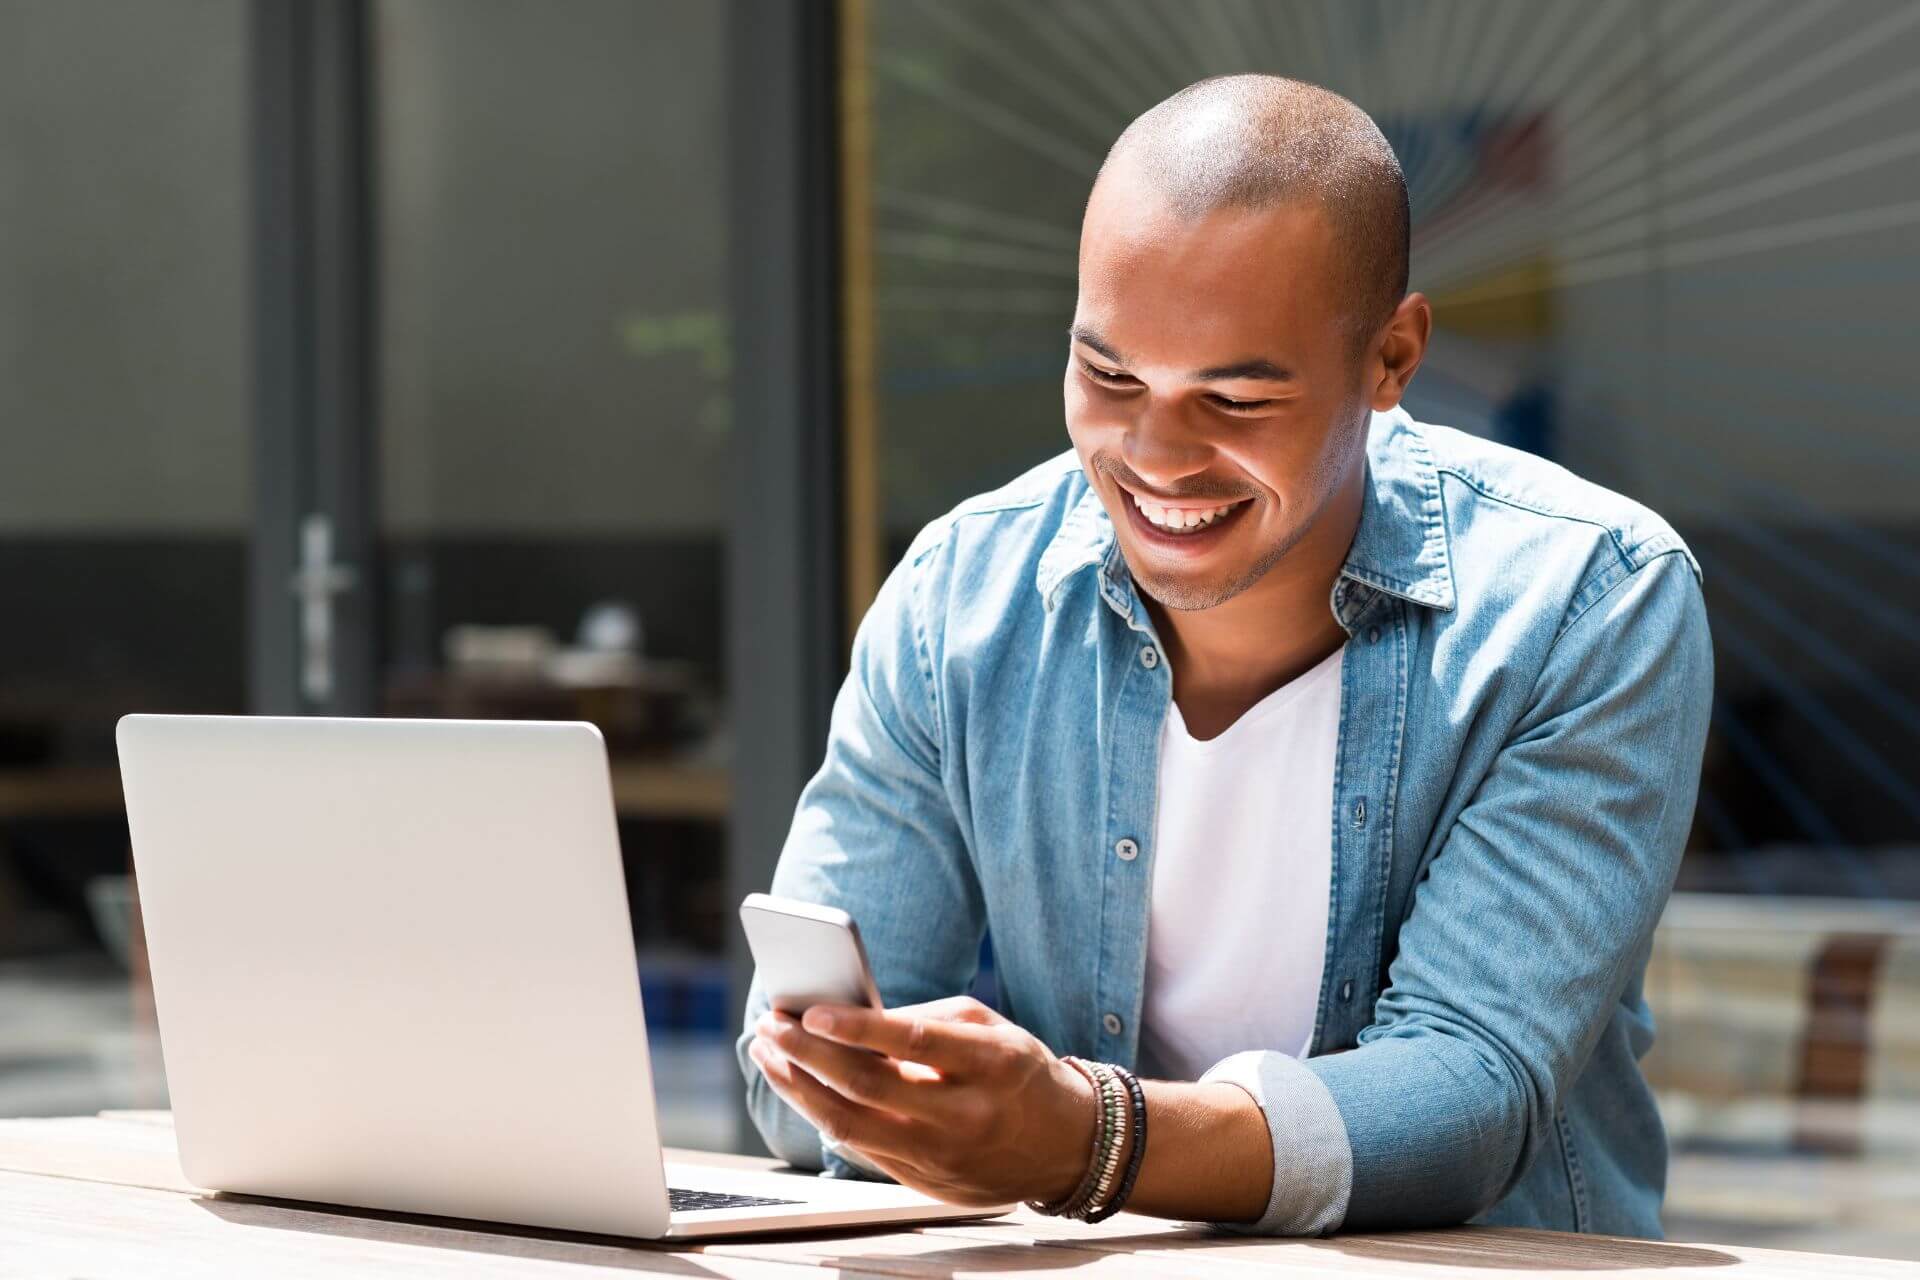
x=103, y=1196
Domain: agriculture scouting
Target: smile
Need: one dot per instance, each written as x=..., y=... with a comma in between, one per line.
x=1181, y=520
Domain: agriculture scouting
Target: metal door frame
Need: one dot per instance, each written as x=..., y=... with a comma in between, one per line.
x=312, y=566
x=786, y=560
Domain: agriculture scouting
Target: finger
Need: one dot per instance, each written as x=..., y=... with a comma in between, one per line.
x=955, y=1009
x=871, y=1079
x=773, y=1021
x=906, y=1163
x=957, y=1047
x=945, y=1009
x=839, y=1120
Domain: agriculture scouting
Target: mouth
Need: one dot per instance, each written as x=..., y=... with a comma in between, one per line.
x=1186, y=530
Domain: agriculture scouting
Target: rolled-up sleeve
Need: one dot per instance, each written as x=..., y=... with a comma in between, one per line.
x=875, y=834
x=1524, y=932
x=1313, y=1164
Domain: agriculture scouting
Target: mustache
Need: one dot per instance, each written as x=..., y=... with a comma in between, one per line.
x=1124, y=475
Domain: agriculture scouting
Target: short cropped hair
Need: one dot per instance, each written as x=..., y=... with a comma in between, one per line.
x=1256, y=141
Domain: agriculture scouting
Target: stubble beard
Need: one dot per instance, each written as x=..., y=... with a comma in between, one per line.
x=1191, y=597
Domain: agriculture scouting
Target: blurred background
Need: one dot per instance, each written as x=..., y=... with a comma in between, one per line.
x=595, y=358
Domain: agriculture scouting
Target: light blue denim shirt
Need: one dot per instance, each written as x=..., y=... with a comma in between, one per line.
x=1524, y=705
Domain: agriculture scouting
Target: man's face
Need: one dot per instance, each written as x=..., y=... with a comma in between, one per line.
x=1212, y=391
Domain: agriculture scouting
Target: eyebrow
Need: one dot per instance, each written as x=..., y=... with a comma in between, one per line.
x=1087, y=337
x=1255, y=367
x=1262, y=369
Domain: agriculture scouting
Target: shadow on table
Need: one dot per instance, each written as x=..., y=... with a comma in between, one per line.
x=1494, y=1249
x=501, y=1239
x=932, y=1253
x=1469, y=1250
x=1498, y=1248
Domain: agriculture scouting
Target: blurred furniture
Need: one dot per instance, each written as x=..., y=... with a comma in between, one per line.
x=650, y=707
x=103, y=1196
x=58, y=793
x=1791, y=1022
x=1787, y=1059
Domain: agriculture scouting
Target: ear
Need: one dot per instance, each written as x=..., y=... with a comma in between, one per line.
x=1398, y=350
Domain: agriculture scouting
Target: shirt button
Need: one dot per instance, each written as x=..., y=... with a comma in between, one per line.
x=1373, y=635
x=1126, y=850
x=1112, y=1023
x=1149, y=657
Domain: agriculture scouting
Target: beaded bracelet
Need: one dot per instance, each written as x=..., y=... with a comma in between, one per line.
x=1113, y=1100
x=1121, y=1114
x=1138, y=1127
x=1084, y=1192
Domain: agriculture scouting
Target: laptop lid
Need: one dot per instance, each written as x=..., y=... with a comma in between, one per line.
x=393, y=965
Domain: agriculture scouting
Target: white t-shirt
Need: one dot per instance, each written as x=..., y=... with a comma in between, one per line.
x=1242, y=869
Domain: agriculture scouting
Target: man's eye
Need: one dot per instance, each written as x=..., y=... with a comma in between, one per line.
x=1239, y=406
x=1102, y=375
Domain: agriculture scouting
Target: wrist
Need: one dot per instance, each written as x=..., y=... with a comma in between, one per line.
x=1079, y=1116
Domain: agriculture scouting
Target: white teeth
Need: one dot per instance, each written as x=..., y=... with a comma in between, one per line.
x=1179, y=519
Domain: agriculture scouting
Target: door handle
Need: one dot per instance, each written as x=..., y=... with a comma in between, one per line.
x=315, y=584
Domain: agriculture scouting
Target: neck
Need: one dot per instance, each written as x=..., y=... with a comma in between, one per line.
x=1227, y=658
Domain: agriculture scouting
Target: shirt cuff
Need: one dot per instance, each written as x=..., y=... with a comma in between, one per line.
x=1312, y=1160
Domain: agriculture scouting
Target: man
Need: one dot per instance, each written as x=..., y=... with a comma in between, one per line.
x=1329, y=768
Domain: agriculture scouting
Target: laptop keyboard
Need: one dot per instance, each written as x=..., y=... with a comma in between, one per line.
x=681, y=1199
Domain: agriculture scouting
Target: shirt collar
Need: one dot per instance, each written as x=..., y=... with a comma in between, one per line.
x=1400, y=546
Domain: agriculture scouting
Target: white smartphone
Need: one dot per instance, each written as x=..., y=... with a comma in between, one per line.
x=807, y=954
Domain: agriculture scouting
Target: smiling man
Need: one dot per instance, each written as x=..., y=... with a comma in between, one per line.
x=1327, y=769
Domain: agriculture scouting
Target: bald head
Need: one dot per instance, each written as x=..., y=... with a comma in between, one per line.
x=1255, y=141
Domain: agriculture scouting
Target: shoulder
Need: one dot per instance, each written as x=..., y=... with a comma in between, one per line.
x=1027, y=506
x=1507, y=509
x=969, y=584
x=992, y=544
x=1539, y=493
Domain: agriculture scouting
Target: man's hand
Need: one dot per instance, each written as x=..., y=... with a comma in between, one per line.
x=948, y=1098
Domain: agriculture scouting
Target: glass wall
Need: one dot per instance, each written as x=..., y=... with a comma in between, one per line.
x=1671, y=246
x=123, y=488
x=550, y=456
x=552, y=424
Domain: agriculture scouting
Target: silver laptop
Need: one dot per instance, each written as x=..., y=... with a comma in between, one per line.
x=393, y=969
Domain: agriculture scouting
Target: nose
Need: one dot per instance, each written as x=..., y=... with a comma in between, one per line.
x=1162, y=450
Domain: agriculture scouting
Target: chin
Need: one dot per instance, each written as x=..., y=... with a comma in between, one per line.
x=1193, y=592
x=1190, y=595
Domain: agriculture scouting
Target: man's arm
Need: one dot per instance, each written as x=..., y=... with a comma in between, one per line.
x=1525, y=929
x=1523, y=935
x=1209, y=1157
x=874, y=834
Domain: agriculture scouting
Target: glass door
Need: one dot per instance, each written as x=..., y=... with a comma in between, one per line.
x=546, y=459
x=125, y=497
